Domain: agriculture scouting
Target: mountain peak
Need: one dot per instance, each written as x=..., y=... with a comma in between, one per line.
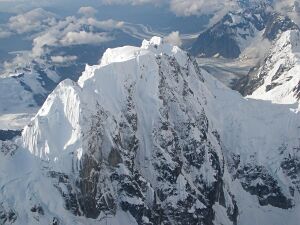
x=154, y=41
x=142, y=138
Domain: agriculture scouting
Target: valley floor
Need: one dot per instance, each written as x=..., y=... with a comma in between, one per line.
x=227, y=70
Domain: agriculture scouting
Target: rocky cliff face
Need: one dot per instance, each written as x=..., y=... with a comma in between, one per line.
x=147, y=137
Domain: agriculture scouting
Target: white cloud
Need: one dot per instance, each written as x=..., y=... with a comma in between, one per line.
x=72, y=31
x=87, y=11
x=83, y=37
x=34, y=20
x=19, y=6
x=4, y=34
x=21, y=60
x=105, y=24
x=198, y=7
x=63, y=59
x=185, y=7
x=46, y=39
x=132, y=2
x=218, y=8
x=174, y=39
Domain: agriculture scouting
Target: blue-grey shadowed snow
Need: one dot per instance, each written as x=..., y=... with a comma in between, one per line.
x=45, y=81
x=39, y=99
x=25, y=86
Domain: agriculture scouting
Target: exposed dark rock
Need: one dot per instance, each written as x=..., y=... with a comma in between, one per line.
x=297, y=91
x=257, y=181
x=271, y=86
x=68, y=193
x=208, y=46
x=37, y=209
x=114, y=157
x=291, y=167
x=277, y=24
x=6, y=135
x=89, y=178
x=8, y=148
x=7, y=215
x=55, y=221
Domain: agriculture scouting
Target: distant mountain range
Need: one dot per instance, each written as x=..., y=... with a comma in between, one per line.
x=230, y=36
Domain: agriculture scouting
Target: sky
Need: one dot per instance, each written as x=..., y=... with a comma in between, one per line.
x=178, y=7
x=39, y=27
x=23, y=17
x=40, y=24
x=155, y=13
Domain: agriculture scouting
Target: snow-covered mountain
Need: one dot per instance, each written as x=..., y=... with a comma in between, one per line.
x=238, y=33
x=277, y=78
x=22, y=93
x=148, y=137
x=230, y=36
